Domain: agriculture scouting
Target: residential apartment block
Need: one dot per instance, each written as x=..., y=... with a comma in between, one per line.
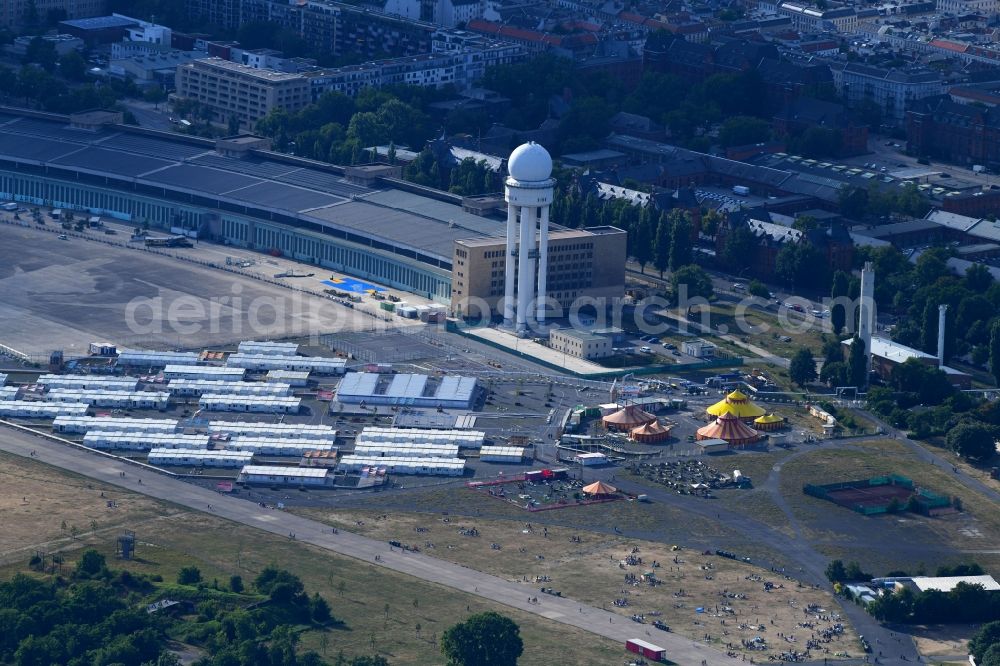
x=460, y=69
x=232, y=89
x=326, y=27
x=893, y=90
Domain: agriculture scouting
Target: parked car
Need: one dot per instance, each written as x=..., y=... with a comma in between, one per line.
x=645, y=350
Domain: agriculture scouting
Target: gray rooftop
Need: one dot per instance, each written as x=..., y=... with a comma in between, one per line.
x=408, y=222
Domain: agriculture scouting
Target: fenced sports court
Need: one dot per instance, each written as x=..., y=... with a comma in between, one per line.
x=881, y=494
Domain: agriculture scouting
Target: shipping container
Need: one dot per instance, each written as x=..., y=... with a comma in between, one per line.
x=647, y=650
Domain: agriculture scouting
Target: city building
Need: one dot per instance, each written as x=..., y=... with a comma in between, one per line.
x=580, y=343
x=446, y=13
x=14, y=13
x=892, y=90
x=582, y=263
x=810, y=17
x=370, y=388
x=460, y=69
x=149, y=65
x=389, y=233
x=62, y=44
x=805, y=112
x=962, y=7
x=325, y=26
x=98, y=29
x=235, y=90
x=966, y=133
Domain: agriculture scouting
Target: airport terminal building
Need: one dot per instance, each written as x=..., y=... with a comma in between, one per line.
x=380, y=229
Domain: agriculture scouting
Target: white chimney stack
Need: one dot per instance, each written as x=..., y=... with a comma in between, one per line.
x=942, y=310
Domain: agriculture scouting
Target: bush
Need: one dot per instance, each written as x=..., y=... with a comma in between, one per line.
x=189, y=576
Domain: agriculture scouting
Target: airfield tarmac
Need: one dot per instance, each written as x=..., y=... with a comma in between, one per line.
x=77, y=291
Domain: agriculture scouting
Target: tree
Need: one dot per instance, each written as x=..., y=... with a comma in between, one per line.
x=857, y=363
x=643, y=246
x=835, y=572
x=835, y=374
x=661, y=245
x=680, y=240
x=91, y=563
x=759, y=289
x=742, y=130
x=42, y=53
x=995, y=352
x=319, y=609
x=986, y=637
x=189, y=576
x=692, y=278
x=802, y=368
x=972, y=440
x=485, y=639
x=236, y=584
x=978, y=278
x=73, y=67
x=838, y=291
x=738, y=248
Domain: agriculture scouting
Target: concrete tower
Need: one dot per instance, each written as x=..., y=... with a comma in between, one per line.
x=529, y=192
x=866, y=305
x=866, y=309
x=942, y=313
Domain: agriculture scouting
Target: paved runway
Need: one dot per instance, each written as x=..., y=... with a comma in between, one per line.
x=108, y=469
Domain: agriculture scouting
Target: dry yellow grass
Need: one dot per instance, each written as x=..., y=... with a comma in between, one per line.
x=35, y=504
x=592, y=571
x=170, y=538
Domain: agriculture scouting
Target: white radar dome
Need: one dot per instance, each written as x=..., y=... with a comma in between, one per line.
x=530, y=162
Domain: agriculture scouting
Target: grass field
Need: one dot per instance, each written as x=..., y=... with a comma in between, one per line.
x=904, y=540
x=590, y=570
x=357, y=592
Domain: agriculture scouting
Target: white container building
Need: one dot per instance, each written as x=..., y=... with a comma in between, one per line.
x=212, y=372
x=407, y=390
x=268, y=404
x=82, y=424
x=405, y=465
x=191, y=458
x=502, y=454
x=8, y=392
x=590, y=459
x=465, y=439
x=94, y=382
x=410, y=449
x=217, y=387
x=277, y=447
x=143, y=441
x=269, y=348
x=262, y=362
x=41, y=410
x=276, y=475
x=273, y=430
x=296, y=378
x=99, y=398
x=156, y=359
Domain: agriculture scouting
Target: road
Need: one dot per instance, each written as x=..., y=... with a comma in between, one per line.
x=108, y=469
x=150, y=117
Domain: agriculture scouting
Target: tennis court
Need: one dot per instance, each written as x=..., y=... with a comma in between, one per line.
x=872, y=496
x=352, y=285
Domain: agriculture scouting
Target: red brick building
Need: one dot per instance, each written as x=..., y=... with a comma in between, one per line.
x=963, y=133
